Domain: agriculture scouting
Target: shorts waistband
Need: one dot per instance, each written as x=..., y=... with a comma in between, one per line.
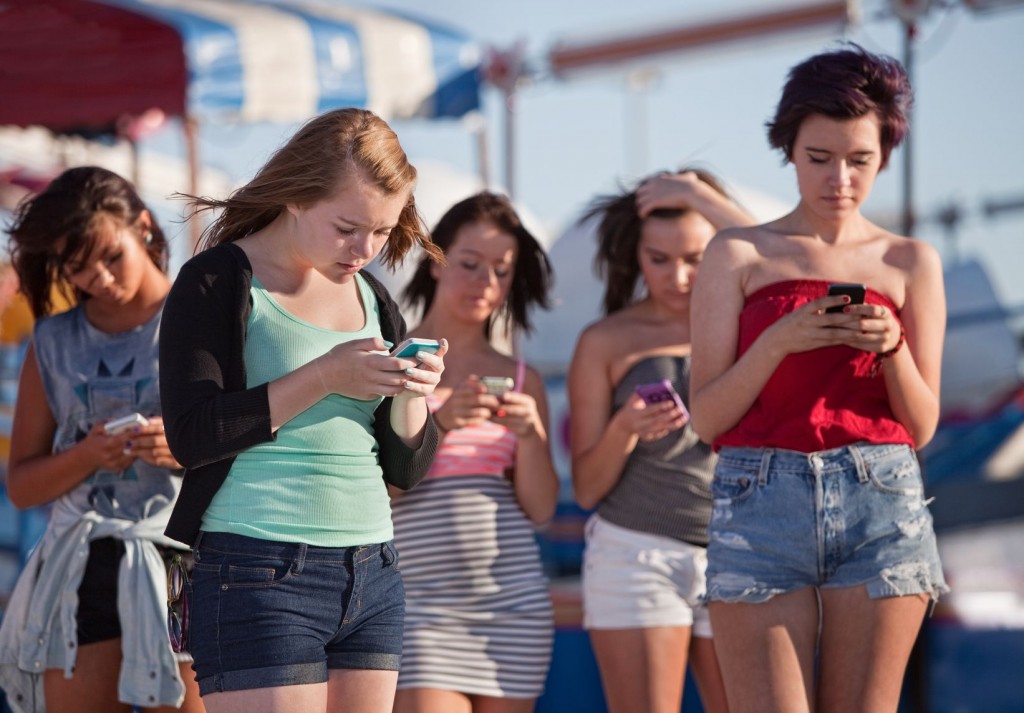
x=856, y=455
x=231, y=543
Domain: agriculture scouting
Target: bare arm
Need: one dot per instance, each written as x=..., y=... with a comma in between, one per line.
x=535, y=480
x=36, y=474
x=913, y=374
x=686, y=190
x=602, y=441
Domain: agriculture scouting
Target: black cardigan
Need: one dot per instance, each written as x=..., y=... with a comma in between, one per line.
x=209, y=414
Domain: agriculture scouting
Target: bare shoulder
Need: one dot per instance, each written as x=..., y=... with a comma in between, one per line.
x=912, y=255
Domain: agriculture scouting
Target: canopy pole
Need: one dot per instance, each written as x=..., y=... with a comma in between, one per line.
x=190, y=126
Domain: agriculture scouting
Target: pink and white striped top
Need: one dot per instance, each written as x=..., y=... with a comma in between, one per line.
x=484, y=449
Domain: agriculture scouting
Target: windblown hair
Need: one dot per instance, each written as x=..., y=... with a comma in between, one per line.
x=310, y=167
x=844, y=84
x=532, y=276
x=618, y=236
x=65, y=221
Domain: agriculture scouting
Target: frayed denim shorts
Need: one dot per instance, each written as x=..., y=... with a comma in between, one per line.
x=851, y=516
x=267, y=614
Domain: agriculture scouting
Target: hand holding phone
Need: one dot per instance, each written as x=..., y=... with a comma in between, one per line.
x=497, y=385
x=660, y=391
x=124, y=424
x=409, y=348
x=855, y=291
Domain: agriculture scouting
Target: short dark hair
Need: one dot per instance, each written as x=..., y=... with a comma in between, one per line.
x=532, y=278
x=618, y=238
x=64, y=221
x=846, y=83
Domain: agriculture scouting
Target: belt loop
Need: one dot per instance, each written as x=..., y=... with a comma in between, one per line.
x=766, y=459
x=300, y=558
x=195, y=546
x=858, y=459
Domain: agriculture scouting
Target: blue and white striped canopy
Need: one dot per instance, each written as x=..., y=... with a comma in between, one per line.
x=74, y=63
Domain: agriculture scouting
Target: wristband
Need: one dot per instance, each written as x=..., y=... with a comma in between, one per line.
x=876, y=365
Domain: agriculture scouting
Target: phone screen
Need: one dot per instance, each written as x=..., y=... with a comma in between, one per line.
x=854, y=290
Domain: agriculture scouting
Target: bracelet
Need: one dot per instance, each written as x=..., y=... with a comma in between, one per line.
x=876, y=365
x=316, y=364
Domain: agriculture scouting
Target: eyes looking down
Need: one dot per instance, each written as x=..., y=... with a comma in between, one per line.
x=481, y=265
x=670, y=250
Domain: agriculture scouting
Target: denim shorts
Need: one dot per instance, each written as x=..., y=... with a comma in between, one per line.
x=267, y=614
x=636, y=580
x=783, y=520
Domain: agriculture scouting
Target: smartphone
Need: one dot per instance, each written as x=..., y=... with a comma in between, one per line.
x=497, y=385
x=125, y=423
x=856, y=292
x=658, y=391
x=412, y=346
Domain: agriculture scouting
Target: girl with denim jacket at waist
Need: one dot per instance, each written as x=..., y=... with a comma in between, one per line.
x=291, y=420
x=89, y=608
x=822, y=559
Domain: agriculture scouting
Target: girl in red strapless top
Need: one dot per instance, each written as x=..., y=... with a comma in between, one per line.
x=822, y=557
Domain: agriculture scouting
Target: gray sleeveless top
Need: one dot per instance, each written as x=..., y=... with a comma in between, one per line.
x=90, y=375
x=665, y=488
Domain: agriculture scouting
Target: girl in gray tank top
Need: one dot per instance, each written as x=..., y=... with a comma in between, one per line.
x=636, y=460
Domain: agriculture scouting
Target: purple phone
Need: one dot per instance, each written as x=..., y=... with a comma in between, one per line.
x=659, y=391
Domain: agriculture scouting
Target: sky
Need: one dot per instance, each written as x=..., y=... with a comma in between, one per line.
x=593, y=133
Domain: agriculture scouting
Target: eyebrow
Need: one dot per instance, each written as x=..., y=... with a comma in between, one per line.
x=862, y=152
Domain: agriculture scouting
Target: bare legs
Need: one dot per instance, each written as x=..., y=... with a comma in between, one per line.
x=645, y=669
x=94, y=685
x=346, y=691
x=767, y=650
x=432, y=700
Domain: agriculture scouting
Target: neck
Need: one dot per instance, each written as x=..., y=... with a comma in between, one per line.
x=462, y=336
x=830, y=231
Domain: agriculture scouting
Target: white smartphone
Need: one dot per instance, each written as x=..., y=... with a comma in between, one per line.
x=125, y=423
x=412, y=346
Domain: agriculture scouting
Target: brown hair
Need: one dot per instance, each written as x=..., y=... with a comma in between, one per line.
x=618, y=236
x=532, y=276
x=310, y=166
x=65, y=221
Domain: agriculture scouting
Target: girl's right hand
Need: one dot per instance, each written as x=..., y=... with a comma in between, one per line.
x=362, y=369
x=809, y=326
x=106, y=452
x=652, y=422
x=469, y=405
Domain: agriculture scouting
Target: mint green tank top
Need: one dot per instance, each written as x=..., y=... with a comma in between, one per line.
x=320, y=481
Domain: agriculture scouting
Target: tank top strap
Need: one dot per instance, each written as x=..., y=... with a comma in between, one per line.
x=520, y=375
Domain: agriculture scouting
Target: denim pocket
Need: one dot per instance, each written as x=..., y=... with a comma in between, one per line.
x=734, y=482
x=897, y=473
x=240, y=571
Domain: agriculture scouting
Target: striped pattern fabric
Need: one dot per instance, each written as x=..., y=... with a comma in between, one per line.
x=483, y=449
x=478, y=611
x=235, y=60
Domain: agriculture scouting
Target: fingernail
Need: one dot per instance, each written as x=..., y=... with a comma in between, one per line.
x=420, y=355
x=501, y=413
x=388, y=344
x=409, y=371
x=128, y=444
x=408, y=384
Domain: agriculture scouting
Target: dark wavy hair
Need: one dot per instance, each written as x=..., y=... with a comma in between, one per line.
x=618, y=238
x=312, y=164
x=65, y=221
x=532, y=278
x=847, y=83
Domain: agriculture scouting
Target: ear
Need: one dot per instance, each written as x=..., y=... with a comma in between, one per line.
x=293, y=208
x=145, y=221
x=435, y=270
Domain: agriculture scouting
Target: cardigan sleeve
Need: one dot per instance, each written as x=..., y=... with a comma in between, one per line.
x=209, y=414
x=403, y=466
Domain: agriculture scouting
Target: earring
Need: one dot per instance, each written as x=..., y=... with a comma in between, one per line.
x=147, y=238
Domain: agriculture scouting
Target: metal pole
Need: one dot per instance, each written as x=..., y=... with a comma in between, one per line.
x=908, y=154
x=510, y=142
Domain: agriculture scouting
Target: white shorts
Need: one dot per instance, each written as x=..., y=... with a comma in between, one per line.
x=635, y=580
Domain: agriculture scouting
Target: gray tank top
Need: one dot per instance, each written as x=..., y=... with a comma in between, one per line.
x=90, y=375
x=665, y=488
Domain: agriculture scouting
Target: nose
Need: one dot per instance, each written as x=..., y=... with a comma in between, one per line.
x=841, y=174
x=362, y=246
x=684, y=273
x=487, y=275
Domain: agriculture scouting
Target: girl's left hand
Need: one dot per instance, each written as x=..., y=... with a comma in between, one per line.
x=424, y=373
x=876, y=329
x=518, y=413
x=149, y=443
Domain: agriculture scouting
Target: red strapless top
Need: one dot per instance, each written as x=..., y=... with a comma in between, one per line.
x=815, y=400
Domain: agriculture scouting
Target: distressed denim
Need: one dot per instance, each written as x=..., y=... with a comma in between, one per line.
x=267, y=614
x=783, y=520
